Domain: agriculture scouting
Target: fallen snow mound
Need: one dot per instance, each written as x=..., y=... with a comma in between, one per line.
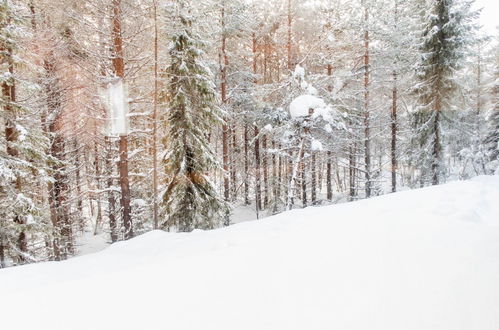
x=418, y=260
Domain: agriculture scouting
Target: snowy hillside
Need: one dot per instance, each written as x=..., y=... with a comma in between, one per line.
x=417, y=260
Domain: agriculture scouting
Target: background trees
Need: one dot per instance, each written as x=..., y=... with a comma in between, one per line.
x=409, y=98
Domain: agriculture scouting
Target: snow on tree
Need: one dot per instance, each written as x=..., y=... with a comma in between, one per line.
x=22, y=163
x=190, y=201
x=447, y=35
x=305, y=105
x=492, y=140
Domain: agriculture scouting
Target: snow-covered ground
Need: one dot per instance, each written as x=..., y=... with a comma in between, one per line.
x=417, y=260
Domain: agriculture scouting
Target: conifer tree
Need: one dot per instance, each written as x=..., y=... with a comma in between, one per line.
x=443, y=47
x=492, y=140
x=190, y=201
x=22, y=162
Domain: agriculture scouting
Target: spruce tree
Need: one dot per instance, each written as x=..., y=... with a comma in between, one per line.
x=492, y=140
x=22, y=161
x=443, y=47
x=190, y=201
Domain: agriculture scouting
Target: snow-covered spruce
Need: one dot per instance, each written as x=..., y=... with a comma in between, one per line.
x=190, y=201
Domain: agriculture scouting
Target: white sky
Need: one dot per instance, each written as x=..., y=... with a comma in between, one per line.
x=490, y=15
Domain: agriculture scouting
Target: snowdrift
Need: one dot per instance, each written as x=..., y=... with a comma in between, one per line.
x=416, y=260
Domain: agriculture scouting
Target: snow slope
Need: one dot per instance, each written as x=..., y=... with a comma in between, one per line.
x=418, y=260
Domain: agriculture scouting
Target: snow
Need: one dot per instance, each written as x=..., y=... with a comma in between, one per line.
x=299, y=72
x=301, y=105
x=417, y=260
x=316, y=145
x=268, y=128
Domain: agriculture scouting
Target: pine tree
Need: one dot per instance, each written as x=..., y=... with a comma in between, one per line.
x=190, y=200
x=443, y=47
x=22, y=163
x=492, y=140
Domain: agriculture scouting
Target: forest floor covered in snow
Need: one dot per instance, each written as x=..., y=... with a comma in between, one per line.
x=426, y=259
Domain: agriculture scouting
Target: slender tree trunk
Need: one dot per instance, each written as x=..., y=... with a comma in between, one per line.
x=293, y=182
x=233, y=163
x=274, y=176
x=155, y=122
x=290, y=34
x=394, y=133
x=351, y=171
x=79, y=198
x=119, y=71
x=329, y=184
x=98, y=219
x=258, y=188
x=435, y=167
x=313, y=172
x=111, y=200
x=224, y=62
x=246, y=164
x=367, y=123
x=329, y=174
x=303, y=175
x=279, y=174
x=266, y=197
x=394, y=112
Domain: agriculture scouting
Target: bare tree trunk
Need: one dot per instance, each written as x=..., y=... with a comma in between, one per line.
x=279, y=175
x=435, y=166
x=394, y=114
x=367, y=123
x=293, y=182
x=290, y=32
x=266, y=197
x=352, y=163
x=246, y=164
x=111, y=200
x=274, y=177
x=313, y=172
x=329, y=184
x=224, y=62
x=79, y=199
x=98, y=218
x=155, y=123
x=119, y=71
x=394, y=133
x=233, y=163
x=304, y=196
x=258, y=188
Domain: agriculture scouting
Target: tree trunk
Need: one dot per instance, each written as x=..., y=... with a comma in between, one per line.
x=394, y=133
x=352, y=163
x=258, y=188
x=111, y=200
x=246, y=164
x=313, y=172
x=119, y=71
x=11, y=137
x=224, y=62
x=435, y=167
x=155, y=123
x=233, y=163
x=367, y=124
x=266, y=197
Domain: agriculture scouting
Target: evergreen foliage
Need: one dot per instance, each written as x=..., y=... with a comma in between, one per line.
x=190, y=200
x=445, y=39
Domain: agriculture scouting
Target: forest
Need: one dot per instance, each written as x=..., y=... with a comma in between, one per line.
x=120, y=117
